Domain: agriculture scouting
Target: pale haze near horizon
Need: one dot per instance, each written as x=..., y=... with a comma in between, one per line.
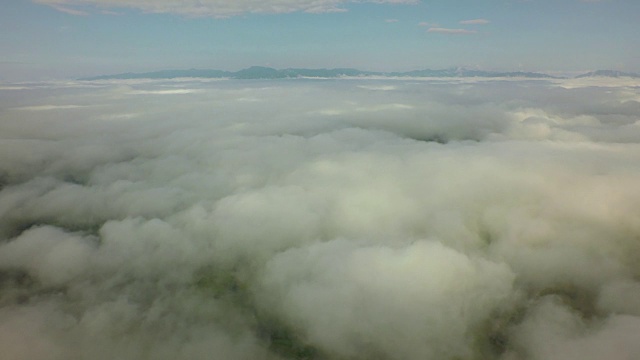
x=58, y=39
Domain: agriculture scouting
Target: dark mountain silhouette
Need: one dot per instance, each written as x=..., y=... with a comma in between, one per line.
x=609, y=73
x=261, y=72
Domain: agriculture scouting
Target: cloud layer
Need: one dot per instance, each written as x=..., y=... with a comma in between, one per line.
x=320, y=219
x=215, y=8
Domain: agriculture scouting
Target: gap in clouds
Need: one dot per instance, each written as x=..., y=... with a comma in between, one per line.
x=332, y=219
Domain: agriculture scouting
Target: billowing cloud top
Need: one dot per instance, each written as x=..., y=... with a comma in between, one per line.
x=215, y=8
x=359, y=219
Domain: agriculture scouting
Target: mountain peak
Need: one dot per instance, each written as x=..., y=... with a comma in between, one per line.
x=263, y=72
x=609, y=73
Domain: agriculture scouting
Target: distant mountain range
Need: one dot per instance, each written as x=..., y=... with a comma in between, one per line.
x=261, y=72
x=609, y=73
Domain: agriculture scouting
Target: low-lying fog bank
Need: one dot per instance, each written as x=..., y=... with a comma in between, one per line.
x=300, y=219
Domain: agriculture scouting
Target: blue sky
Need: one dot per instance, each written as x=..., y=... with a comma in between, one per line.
x=46, y=39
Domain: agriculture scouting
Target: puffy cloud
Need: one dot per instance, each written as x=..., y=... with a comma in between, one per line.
x=215, y=8
x=423, y=300
x=368, y=218
x=553, y=331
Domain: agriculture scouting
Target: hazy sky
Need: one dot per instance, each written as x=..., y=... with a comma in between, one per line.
x=69, y=38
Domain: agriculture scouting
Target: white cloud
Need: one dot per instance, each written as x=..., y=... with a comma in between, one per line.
x=475, y=22
x=321, y=289
x=391, y=20
x=70, y=11
x=378, y=87
x=214, y=8
x=359, y=218
x=48, y=107
x=451, y=31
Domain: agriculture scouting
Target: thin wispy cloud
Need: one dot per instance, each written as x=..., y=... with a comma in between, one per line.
x=475, y=22
x=70, y=11
x=48, y=107
x=215, y=8
x=109, y=12
x=441, y=30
